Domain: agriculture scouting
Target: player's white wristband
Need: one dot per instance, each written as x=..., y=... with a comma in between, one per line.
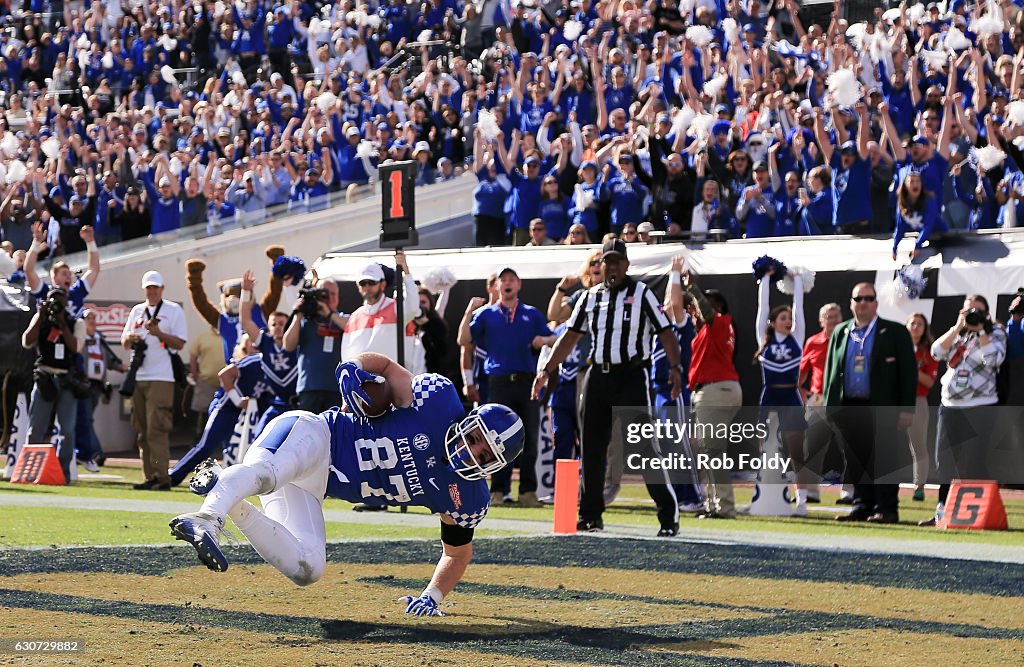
x=435, y=594
x=676, y=279
x=246, y=295
x=92, y=247
x=467, y=377
x=235, y=396
x=35, y=247
x=358, y=364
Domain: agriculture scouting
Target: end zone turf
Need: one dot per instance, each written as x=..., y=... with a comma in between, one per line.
x=578, y=600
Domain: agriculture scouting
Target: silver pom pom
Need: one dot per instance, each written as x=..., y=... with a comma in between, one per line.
x=439, y=279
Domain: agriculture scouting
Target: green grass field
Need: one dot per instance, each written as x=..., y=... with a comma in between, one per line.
x=42, y=526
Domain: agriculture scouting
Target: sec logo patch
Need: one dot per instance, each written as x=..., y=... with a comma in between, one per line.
x=421, y=441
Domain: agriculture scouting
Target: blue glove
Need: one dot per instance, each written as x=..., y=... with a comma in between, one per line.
x=350, y=380
x=424, y=605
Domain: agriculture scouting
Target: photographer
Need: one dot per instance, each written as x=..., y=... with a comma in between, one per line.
x=973, y=350
x=99, y=358
x=58, y=337
x=315, y=331
x=155, y=331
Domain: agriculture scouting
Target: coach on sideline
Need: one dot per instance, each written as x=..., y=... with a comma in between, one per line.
x=622, y=315
x=510, y=331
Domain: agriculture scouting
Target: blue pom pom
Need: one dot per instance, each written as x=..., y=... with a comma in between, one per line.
x=389, y=277
x=762, y=264
x=289, y=266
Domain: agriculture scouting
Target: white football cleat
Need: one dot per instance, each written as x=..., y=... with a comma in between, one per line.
x=202, y=531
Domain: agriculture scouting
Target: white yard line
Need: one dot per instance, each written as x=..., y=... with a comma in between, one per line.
x=840, y=542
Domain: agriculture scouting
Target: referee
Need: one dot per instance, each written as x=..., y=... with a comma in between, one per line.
x=621, y=315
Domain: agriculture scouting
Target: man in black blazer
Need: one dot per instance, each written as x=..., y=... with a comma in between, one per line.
x=870, y=389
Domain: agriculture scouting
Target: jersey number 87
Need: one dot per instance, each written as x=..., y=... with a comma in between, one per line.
x=380, y=454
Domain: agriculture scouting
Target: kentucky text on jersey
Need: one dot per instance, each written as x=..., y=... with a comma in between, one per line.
x=399, y=458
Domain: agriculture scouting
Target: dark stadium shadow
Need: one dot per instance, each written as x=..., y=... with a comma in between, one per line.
x=955, y=245
x=516, y=629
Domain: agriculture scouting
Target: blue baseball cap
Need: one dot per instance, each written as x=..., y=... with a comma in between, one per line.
x=919, y=139
x=75, y=199
x=721, y=127
x=533, y=159
x=588, y=163
x=723, y=108
x=55, y=192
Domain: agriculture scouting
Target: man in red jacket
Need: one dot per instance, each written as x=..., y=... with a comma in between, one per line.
x=717, y=395
x=819, y=432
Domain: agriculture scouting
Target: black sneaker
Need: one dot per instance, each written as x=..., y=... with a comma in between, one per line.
x=669, y=531
x=147, y=485
x=363, y=507
x=590, y=525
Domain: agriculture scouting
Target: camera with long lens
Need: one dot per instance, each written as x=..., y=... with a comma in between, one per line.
x=54, y=310
x=1019, y=310
x=134, y=364
x=311, y=298
x=976, y=316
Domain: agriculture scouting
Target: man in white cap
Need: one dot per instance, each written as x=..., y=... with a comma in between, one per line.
x=373, y=326
x=155, y=328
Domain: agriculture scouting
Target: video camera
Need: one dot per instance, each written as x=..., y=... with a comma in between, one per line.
x=311, y=297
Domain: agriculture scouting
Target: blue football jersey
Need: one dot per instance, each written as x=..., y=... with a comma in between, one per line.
x=280, y=366
x=252, y=382
x=399, y=458
x=230, y=329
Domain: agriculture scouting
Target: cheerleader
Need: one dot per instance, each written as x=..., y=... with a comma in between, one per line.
x=781, y=333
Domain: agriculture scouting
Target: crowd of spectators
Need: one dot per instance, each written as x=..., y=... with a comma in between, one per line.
x=709, y=118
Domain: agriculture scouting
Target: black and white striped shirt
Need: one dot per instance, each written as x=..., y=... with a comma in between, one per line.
x=622, y=322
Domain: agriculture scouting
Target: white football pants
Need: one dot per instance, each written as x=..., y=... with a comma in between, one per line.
x=287, y=467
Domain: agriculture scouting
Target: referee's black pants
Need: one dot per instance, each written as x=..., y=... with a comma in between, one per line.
x=514, y=391
x=602, y=392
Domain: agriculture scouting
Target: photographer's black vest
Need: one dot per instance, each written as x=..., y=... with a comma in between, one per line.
x=49, y=338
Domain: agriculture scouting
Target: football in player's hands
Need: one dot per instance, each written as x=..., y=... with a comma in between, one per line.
x=379, y=395
x=365, y=394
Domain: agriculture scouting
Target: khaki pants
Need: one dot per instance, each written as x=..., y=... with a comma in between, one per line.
x=151, y=419
x=717, y=403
